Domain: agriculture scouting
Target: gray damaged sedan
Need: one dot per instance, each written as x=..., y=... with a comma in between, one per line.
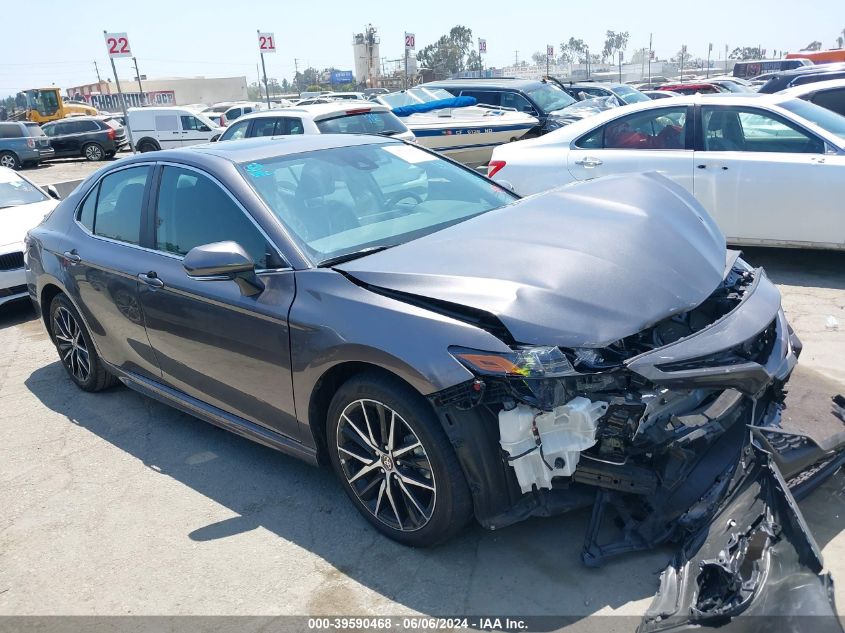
x=454, y=351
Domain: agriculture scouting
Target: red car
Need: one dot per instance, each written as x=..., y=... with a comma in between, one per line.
x=692, y=88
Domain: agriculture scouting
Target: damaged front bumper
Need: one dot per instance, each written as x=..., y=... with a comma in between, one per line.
x=664, y=434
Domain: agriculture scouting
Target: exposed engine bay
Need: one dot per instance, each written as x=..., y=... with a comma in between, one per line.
x=656, y=432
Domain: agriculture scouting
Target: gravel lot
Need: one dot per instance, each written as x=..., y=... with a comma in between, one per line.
x=114, y=504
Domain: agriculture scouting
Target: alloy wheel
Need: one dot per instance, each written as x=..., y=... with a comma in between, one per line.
x=71, y=344
x=93, y=152
x=386, y=465
x=7, y=160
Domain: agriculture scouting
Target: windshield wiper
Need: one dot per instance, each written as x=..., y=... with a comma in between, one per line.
x=389, y=132
x=346, y=257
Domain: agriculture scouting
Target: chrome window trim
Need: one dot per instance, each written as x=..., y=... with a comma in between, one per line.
x=84, y=229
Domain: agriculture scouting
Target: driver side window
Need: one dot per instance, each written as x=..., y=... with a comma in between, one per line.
x=735, y=129
x=193, y=210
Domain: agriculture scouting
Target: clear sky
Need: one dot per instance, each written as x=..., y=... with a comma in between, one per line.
x=56, y=42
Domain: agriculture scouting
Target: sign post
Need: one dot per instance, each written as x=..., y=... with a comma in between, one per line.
x=550, y=52
x=621, y=54
x=266, y=44
x=482, y=50
x=709, y=52
x=683, y=54
x=117, y=45
x=650, y=53
x=410, y=45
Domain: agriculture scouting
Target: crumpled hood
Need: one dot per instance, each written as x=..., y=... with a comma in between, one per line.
x=16, y=221
x=582, y=265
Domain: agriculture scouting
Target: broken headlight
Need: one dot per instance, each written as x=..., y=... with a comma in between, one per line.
x=523, y=362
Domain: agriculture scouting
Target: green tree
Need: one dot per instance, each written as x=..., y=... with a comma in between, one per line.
x=613, y=44
x=742, y=53
x=451, y=53
x=573, y=51
x=474, y=61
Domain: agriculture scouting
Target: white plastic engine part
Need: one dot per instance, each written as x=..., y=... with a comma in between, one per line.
x=564, y=433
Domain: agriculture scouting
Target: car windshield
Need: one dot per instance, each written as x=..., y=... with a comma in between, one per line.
x=362, y=123
x=629, y=95
x=550, y=97
x=15, y=191
x=824, y=118
x=345, y=200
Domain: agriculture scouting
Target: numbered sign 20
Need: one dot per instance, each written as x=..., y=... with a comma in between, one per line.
x=410, y=41
x=266, y=43
x=117, y=45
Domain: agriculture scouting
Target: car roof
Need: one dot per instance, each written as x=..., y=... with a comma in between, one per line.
x=502, y=82
x=319, y=110
x=797, y=91
x=266, y=147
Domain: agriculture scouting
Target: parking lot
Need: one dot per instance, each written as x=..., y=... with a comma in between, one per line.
x=115, y=504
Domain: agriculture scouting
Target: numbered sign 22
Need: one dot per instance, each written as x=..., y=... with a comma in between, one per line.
x=117, y=45
x=266, y=43
x=410, y=41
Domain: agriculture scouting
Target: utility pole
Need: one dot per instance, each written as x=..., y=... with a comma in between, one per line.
x=516, y=58
x=97, y=70
x=649, y=57
x=709, y=52
x=587, y=48
x=138, y=77
x=726, y=59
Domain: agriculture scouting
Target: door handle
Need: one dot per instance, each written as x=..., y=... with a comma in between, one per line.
x=72, y=256
x=589, y=162
x=702, y=166
x=151, y=279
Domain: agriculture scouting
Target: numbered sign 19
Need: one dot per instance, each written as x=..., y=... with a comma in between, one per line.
x=410, y=41
x=266, y=43
x=117, y=45
x=482, y=46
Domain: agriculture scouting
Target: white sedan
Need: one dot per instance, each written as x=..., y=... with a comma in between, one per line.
x=22, y=206
x=770, y=169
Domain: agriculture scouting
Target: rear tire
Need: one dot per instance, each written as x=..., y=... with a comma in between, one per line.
x=93, y=152
x=147, y=146
x=75, y=347
x=394, y=461
x=10, y=160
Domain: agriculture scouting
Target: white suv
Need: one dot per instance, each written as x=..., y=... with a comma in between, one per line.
x=326, y=118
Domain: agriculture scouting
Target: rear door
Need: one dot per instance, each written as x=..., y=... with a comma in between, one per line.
x=213, y=343
x=57, y=133
x=657, y=139
x=764, y=179
x=168, y=130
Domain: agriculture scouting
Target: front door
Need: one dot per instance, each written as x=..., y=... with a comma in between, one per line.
x=194, y=131
x=654, y=140
x=213, y=343
x=766, y=180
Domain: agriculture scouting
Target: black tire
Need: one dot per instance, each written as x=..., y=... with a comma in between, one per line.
x=93, y=152
x=10, y=160
x=147, y=146
x=97, y=377
x=448, y=503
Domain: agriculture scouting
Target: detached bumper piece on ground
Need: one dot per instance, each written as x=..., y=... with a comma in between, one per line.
x=673, y=436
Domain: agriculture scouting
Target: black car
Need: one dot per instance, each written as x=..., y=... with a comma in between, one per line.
x=94, y=138
x=799, y=76
x=537, y=98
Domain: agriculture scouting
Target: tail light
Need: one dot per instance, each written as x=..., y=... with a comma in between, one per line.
x=30, y=142
x=494, y=167
x=110, y=133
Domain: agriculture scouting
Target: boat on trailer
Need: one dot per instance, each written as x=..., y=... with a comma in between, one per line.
x=457, y=127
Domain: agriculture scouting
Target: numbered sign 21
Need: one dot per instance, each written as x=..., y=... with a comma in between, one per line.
x=117, y=45
x=266, y=43
x=410, y=41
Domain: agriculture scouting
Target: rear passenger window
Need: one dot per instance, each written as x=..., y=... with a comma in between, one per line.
x=483, y=96
x=265, y=127
x=193, y=210
x=293, y=126
x=86, y=213
x=120, y=204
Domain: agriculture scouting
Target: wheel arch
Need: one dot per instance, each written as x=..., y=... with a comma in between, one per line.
x=327, y=385
x=147, y=139
x=48, y=292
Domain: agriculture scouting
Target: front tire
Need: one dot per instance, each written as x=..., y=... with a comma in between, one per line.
x=75, y=347
x=395, y=462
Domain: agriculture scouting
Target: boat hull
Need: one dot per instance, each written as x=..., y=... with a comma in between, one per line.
x=469, y=144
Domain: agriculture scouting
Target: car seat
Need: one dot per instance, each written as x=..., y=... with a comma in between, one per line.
x=317, y=215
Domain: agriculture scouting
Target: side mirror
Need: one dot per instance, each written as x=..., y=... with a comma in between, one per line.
x=53, y=192
x=223, y=261
x=205, y=128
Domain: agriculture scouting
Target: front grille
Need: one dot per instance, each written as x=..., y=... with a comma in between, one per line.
x=14, y=290
x=11, y=261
